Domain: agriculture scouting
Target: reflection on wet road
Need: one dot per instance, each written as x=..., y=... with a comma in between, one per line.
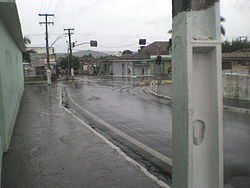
x=149, y=120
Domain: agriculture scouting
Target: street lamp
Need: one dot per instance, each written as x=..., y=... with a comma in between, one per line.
x=59, y=37
x=93, y=43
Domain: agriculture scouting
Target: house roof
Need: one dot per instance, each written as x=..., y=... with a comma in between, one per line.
x=9, y=16
x=243, y=53
x=134, y=56
x=156, y=48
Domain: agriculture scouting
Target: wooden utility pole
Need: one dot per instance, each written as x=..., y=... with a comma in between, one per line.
x=197, y=91
x=47, y=43
x=71, y=63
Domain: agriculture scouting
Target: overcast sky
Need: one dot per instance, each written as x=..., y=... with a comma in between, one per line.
x=116, y=24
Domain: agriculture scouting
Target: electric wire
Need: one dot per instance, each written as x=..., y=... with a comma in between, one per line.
x=61, y=22
x=119, y=46
x=41, y=6
x=57, y=6
x=49, y=6
x=37, y=34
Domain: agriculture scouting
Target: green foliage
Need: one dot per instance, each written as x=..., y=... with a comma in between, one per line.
x=87, y=56
x=26, y=53
x=236, y=44
x=26, y=41
x=127, y=52
x=63, y=62
x=102, y=57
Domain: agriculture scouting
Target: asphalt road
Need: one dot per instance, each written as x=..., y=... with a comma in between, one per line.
x=146, y=118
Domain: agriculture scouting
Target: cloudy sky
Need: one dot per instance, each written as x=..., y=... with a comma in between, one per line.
x=116, y=24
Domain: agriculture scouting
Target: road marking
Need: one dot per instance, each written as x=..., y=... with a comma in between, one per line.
x=154, y=153
x=120, y=152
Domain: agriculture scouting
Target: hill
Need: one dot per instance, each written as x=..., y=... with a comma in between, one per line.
x=87, y=52
x=84, y=52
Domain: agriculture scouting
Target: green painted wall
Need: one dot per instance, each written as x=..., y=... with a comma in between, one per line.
x=11, y=85
x=155, y=70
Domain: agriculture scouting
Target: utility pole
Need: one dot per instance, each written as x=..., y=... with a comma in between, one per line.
x=197, y=90
x=70, y=51
x=47, y=44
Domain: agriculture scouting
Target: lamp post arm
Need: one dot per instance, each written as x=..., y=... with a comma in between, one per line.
x=59, y=37
x=81, y=43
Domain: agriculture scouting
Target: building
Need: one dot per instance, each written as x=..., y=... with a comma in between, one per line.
x=159, y=48
x=130, y=65
x=37, y=66
x=236, y=62
x=164, y=69
x=144, y=63
x=11, y=70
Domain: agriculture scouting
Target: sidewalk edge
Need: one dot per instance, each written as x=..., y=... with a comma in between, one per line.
x=225, y=107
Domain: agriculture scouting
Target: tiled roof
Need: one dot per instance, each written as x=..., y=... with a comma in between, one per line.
x=156, y=48
x=243, y=53
x=134, y=56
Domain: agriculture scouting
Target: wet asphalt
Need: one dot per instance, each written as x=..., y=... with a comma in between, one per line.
x=50, y=148
x=148, y=119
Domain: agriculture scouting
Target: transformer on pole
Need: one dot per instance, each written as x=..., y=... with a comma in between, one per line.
x=197, y=85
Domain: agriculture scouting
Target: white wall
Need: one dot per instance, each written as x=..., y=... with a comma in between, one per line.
x=236, y=86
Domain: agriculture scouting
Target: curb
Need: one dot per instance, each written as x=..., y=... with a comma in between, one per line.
x=35, y=82
x=236, y=109
x=160, y=96
x=226, y=108
x=63, y=97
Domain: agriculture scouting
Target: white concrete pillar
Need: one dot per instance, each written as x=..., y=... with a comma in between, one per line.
x=197, y=85
x=48, y=76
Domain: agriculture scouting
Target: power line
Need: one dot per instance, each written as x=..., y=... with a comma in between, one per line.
x=59, y=20
x=39, y=34
x=41, y=6
x=119, y=46
x=49, y=6
x=57, y=6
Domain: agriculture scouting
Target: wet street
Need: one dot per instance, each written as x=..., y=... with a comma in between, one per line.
x=147, y=119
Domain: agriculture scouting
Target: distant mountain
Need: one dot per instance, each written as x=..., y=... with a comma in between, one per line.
x=87, y=52
x=61, y=54
x=111, y=52
x=84, y=52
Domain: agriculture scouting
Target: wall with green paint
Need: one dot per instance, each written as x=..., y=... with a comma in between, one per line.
x=155, y=69
x=11, y=83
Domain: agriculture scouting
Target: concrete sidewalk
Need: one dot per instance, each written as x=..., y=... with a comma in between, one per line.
x=50, y=148
x=241, y=106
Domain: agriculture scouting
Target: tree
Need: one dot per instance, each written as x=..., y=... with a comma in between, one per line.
x=87, y=56
x=63, y=62
x=237, y=44
x=26, y=53
x=26, y=41
x=127, y=52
